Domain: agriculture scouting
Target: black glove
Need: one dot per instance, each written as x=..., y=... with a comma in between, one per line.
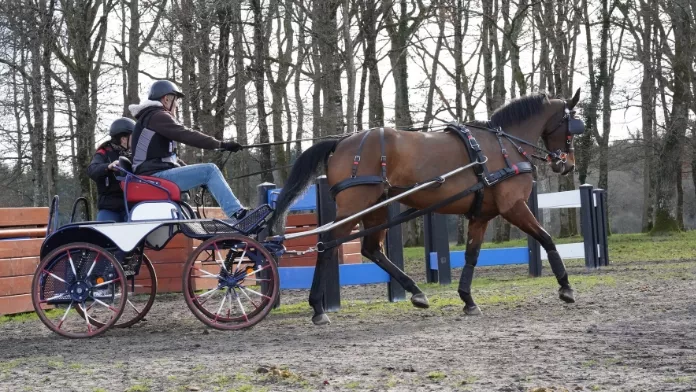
x=231, y=146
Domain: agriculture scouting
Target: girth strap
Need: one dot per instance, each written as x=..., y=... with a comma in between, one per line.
x=356, y=180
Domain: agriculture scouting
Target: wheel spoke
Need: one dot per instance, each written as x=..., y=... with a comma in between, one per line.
x=248, y=298
x=84, y=310
x=240, y=305
x=133, y=306
x=217, y=254
x=255, y=292
x=241, y=258
x=107, y=282
x=100, y=302
x=207, y=273
x=217, y=314
x=53, y=298
x=54, y=276
x=256, y=271
x=65, y=315
x=72, y=265
x=89, y=273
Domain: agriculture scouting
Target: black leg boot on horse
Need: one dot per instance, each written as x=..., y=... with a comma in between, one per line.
x=372, y=249
x=477, y=229
x=522, y=217
x=316, y=293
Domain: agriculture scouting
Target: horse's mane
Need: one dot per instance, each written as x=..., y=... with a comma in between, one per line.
x=514, y=112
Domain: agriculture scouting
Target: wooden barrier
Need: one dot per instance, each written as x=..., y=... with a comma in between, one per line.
x=21, y=233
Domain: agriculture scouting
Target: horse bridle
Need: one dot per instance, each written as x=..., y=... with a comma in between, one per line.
x=575, y=126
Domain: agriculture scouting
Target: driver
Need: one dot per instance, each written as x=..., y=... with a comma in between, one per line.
x=154, y=148
x=104, y=162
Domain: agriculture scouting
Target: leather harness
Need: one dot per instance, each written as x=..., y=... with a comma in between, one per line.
x=485, y=178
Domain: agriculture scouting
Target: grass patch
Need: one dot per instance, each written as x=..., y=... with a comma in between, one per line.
x=138, y=388
x=29, y=316
x=622, y=247
x=489, y=291
x=437, y=376
x=353, y=385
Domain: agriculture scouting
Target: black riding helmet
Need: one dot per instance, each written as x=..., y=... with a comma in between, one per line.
x=161, y=88
x=121, y=126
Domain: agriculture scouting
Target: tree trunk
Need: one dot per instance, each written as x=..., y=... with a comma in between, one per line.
x=325, y=28
x=374, y=98
x=36, y=130
x=51, y=153
x=241, y=186
x=279, y=86
x=462, y=230
x=224, y=18
x=133, y=69
x=433, y=74
x=670, y=155
x=316, y=92
x=680, y=199
x=350, y=68
x=258, y=65
x=301, y=48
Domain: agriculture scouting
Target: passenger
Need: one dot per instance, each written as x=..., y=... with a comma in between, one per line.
x=102, y=169
x=154, y=148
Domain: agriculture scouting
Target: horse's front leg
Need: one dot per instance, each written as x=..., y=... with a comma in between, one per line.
x=520, y=216
x=477, y=229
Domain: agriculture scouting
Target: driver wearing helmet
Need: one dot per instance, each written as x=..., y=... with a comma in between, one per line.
x=103, y=167
x=155, y=137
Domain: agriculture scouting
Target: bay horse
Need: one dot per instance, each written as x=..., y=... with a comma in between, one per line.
x=367, y=167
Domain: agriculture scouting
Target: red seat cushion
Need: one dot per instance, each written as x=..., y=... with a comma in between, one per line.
x=141, y=191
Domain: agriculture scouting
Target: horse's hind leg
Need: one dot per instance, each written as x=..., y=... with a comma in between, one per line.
x=372, y=249
x=477, y=229
x=520, y=216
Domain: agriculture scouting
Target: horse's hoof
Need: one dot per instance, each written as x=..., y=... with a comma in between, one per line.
x=321, y=319
x=420, y=301
x=472, y=311
x=566, y=295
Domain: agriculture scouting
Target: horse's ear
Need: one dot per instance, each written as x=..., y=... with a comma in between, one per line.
x=575, y=99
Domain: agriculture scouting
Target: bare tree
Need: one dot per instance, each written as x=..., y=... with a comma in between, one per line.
x=85, y=23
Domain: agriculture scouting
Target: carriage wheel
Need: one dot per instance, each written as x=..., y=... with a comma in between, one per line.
x=80, y=276
x=230, y=282
x=141, y=296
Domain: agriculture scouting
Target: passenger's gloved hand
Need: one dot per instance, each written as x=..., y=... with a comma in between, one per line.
x=231, y=146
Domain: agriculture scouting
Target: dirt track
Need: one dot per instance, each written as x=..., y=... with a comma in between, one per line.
x=632, y=329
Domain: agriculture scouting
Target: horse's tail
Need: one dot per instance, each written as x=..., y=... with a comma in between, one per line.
x=303, y=171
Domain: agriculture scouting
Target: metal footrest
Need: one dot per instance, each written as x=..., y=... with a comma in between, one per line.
x=254, y=219
x=251, y=224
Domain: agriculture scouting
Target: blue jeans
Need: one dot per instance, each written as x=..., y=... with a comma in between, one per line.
x=208, y=174
x=110, y=215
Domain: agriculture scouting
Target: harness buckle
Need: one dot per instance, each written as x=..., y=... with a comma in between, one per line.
x=357, y=158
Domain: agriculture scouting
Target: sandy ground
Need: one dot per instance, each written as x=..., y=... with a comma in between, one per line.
x=632, y=329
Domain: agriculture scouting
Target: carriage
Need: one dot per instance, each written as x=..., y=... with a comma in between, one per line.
x=90, y=270
x=95, y=275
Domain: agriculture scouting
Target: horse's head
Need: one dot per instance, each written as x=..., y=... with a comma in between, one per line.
x=558, y=134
